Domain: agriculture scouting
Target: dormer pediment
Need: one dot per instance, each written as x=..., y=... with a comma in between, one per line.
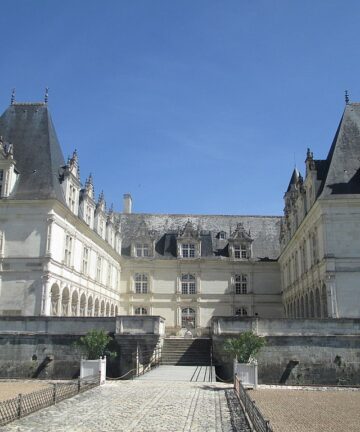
x=240, y=234
x=189, y=232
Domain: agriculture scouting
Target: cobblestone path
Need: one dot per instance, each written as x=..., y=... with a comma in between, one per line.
x=142, y=406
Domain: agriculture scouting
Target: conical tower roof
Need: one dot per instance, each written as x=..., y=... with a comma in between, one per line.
x=37, y=152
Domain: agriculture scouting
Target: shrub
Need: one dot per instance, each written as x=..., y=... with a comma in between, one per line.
x=245, y=347
x=94, y=344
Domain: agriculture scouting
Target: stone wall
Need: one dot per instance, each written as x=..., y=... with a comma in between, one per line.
x=43, y=347
x=297, y=351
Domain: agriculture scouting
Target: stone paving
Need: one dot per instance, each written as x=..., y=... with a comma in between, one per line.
x=142, y=406
x=309, y=410
x=180, y=373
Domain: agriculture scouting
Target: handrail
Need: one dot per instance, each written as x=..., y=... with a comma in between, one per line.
x=155, y=360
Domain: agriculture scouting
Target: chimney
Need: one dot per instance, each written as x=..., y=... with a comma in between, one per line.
x=127, y=203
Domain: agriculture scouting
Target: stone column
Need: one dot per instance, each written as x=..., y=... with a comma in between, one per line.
x=45, y=296
x=332, y=306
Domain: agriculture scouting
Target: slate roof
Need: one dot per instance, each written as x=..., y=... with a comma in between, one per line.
x=264, y=231
x=37, y=152
x=340, y=172
x=294, y=179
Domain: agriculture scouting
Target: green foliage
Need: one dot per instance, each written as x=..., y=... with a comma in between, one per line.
x=245, y=347
x=94, y=344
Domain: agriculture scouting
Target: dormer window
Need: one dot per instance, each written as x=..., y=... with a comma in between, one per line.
x=222, y=235
x=240, y=251
x=188, y=250
x=142, y=249
x=8, y=172
x=72, y=197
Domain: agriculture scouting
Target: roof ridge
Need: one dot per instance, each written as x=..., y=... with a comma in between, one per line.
x=29, y=103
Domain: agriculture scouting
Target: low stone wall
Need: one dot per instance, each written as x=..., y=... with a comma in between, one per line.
x=298, y=352
x=43, y=347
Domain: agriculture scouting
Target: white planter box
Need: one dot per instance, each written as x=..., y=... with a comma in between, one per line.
x=247, y=373
x=93, y=367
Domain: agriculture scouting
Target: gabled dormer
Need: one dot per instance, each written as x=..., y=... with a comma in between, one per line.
x=143, y=244
x=189, y=242
x=240, y=243
x=8, y=172
x=312, y=181
x=117, y=246
x=110, y=227
x=100, y=216
x=71, y=183
x=87, y=202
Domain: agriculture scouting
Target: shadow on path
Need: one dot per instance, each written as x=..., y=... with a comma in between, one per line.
x=238, y=419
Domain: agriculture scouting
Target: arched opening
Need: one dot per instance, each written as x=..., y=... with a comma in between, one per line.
x=102, y=308
x=306, y=306
x=140, y=311
x=97, y=307
x=302, y=307
x=83, y=305
x=188, y=318
x=107, y=310
x=311, y=305
x=74, y=303
x=112, y=310
x=90, y=306
x=55, y=300
x=116, y=311
x=65, y=302
x=317, y=303
x=324, y=302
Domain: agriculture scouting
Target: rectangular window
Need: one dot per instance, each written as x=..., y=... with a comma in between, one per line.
x=1, y=181
x=85, y=260
x=240, y=251
x=141, y=283
x=98, y=268
x=188, y=250
x=109, y=275
x=241, y=284
x=142, y=249
x=68, y=250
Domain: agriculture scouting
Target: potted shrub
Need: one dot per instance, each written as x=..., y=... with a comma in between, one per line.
x=244, y=349
x=94, y=346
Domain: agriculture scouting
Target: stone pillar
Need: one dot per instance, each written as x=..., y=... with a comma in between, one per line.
x=45, y=296
x=332, y=306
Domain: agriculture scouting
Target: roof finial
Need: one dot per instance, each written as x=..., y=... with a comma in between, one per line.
x=347, y=99
x=46, y=98
x=13, y=96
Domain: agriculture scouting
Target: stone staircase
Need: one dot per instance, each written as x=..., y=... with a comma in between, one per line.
x=186, y=352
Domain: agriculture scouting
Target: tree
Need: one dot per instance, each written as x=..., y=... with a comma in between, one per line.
x=94, y=344
x=245, y=347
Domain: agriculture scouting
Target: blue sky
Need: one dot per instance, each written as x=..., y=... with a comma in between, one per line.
x=192, y=106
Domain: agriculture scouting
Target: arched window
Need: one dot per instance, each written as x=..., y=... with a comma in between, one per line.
x=241, y=311
x=188, y=318
x=188, y=284
x=140, y=311
x=241, y=284
x=141, y=283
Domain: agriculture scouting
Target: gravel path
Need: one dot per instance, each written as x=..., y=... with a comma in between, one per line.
x=310, y=410
x=11, y=388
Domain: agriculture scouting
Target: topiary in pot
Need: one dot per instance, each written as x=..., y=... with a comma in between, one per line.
x=245, y=347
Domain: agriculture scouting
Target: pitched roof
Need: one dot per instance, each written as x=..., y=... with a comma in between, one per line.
x=264, y=231
x=294, y=179
x=341, y=171
x=37, y=152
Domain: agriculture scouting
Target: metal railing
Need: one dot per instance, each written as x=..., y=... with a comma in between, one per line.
x=24, y=404
x=256, y=418
x=146, y=360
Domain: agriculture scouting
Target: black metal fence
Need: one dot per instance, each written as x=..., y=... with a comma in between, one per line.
x=24, y=404
x=253, y=412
